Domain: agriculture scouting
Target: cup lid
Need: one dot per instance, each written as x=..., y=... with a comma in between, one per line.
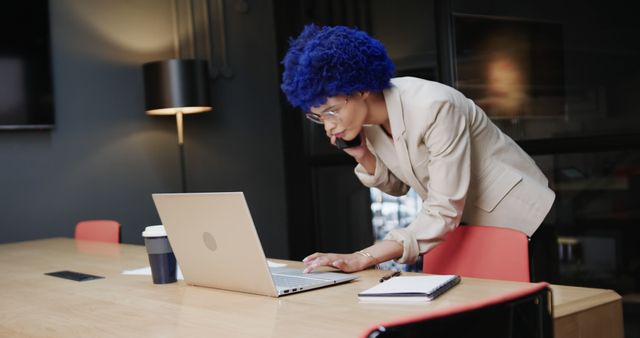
x=154, y=231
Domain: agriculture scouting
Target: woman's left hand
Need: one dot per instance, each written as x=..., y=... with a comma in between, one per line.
x=345, y=262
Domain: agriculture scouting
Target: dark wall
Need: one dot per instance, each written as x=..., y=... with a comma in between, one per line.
x=600, y=63
x=105, y=156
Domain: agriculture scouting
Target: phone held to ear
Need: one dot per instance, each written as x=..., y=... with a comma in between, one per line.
x=342, y=144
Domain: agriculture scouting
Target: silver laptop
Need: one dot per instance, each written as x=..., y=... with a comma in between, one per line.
x=216, y=245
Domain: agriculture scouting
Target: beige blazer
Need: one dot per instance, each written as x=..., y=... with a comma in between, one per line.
x=462, y=166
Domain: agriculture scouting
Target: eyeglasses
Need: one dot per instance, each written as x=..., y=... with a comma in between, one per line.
x=329, y=115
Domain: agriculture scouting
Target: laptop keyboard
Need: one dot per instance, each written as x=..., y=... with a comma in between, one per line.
x=294, y=282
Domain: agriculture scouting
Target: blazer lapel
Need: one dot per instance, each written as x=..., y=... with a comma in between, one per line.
x=398, y=130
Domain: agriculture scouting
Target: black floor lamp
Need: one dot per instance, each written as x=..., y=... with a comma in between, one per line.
x=177, y=87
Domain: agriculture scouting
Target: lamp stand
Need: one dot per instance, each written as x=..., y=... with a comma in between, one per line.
x=183, y=169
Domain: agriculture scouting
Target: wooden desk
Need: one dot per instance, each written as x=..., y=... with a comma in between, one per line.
x=32, y=304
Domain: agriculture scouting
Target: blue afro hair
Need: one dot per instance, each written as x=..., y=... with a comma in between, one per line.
x=328, y=61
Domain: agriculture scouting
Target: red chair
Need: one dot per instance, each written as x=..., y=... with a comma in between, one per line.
x=481, y=252
x=98, y=230
x=523, y=313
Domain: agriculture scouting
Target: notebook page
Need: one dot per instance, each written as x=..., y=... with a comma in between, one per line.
x=419, y=285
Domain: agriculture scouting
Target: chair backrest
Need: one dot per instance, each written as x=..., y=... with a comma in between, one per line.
x=98, y=230
x=523, y=313
x=481, y=252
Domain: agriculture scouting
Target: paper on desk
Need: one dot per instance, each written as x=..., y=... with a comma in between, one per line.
x=146, y=271
x=275, y=265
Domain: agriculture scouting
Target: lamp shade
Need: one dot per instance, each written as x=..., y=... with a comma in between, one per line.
x=176, y=85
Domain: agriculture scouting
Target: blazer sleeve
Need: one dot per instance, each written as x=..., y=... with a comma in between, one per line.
x=382, y=179
x=447, y=139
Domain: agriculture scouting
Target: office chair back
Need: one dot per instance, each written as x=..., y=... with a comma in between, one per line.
x=481, y=252
x=526, y=313
x=98, y=230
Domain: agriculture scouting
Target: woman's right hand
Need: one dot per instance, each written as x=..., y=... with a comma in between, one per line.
x=361, y=154
x=357, y=152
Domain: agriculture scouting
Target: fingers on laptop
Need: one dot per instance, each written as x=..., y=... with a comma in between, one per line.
x=315, y=262
x=338, y=261
x=307, y=260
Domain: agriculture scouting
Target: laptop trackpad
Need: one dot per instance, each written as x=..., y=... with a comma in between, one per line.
x=329, y=276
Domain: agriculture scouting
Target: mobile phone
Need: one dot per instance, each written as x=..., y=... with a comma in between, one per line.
x=342, y=144
x=72, y=275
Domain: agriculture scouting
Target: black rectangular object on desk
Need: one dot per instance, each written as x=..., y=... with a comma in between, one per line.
x=72, y=275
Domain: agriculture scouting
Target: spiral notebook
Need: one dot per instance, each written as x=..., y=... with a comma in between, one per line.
x=410, y=288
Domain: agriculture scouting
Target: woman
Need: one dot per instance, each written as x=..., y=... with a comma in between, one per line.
x=415, y=134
